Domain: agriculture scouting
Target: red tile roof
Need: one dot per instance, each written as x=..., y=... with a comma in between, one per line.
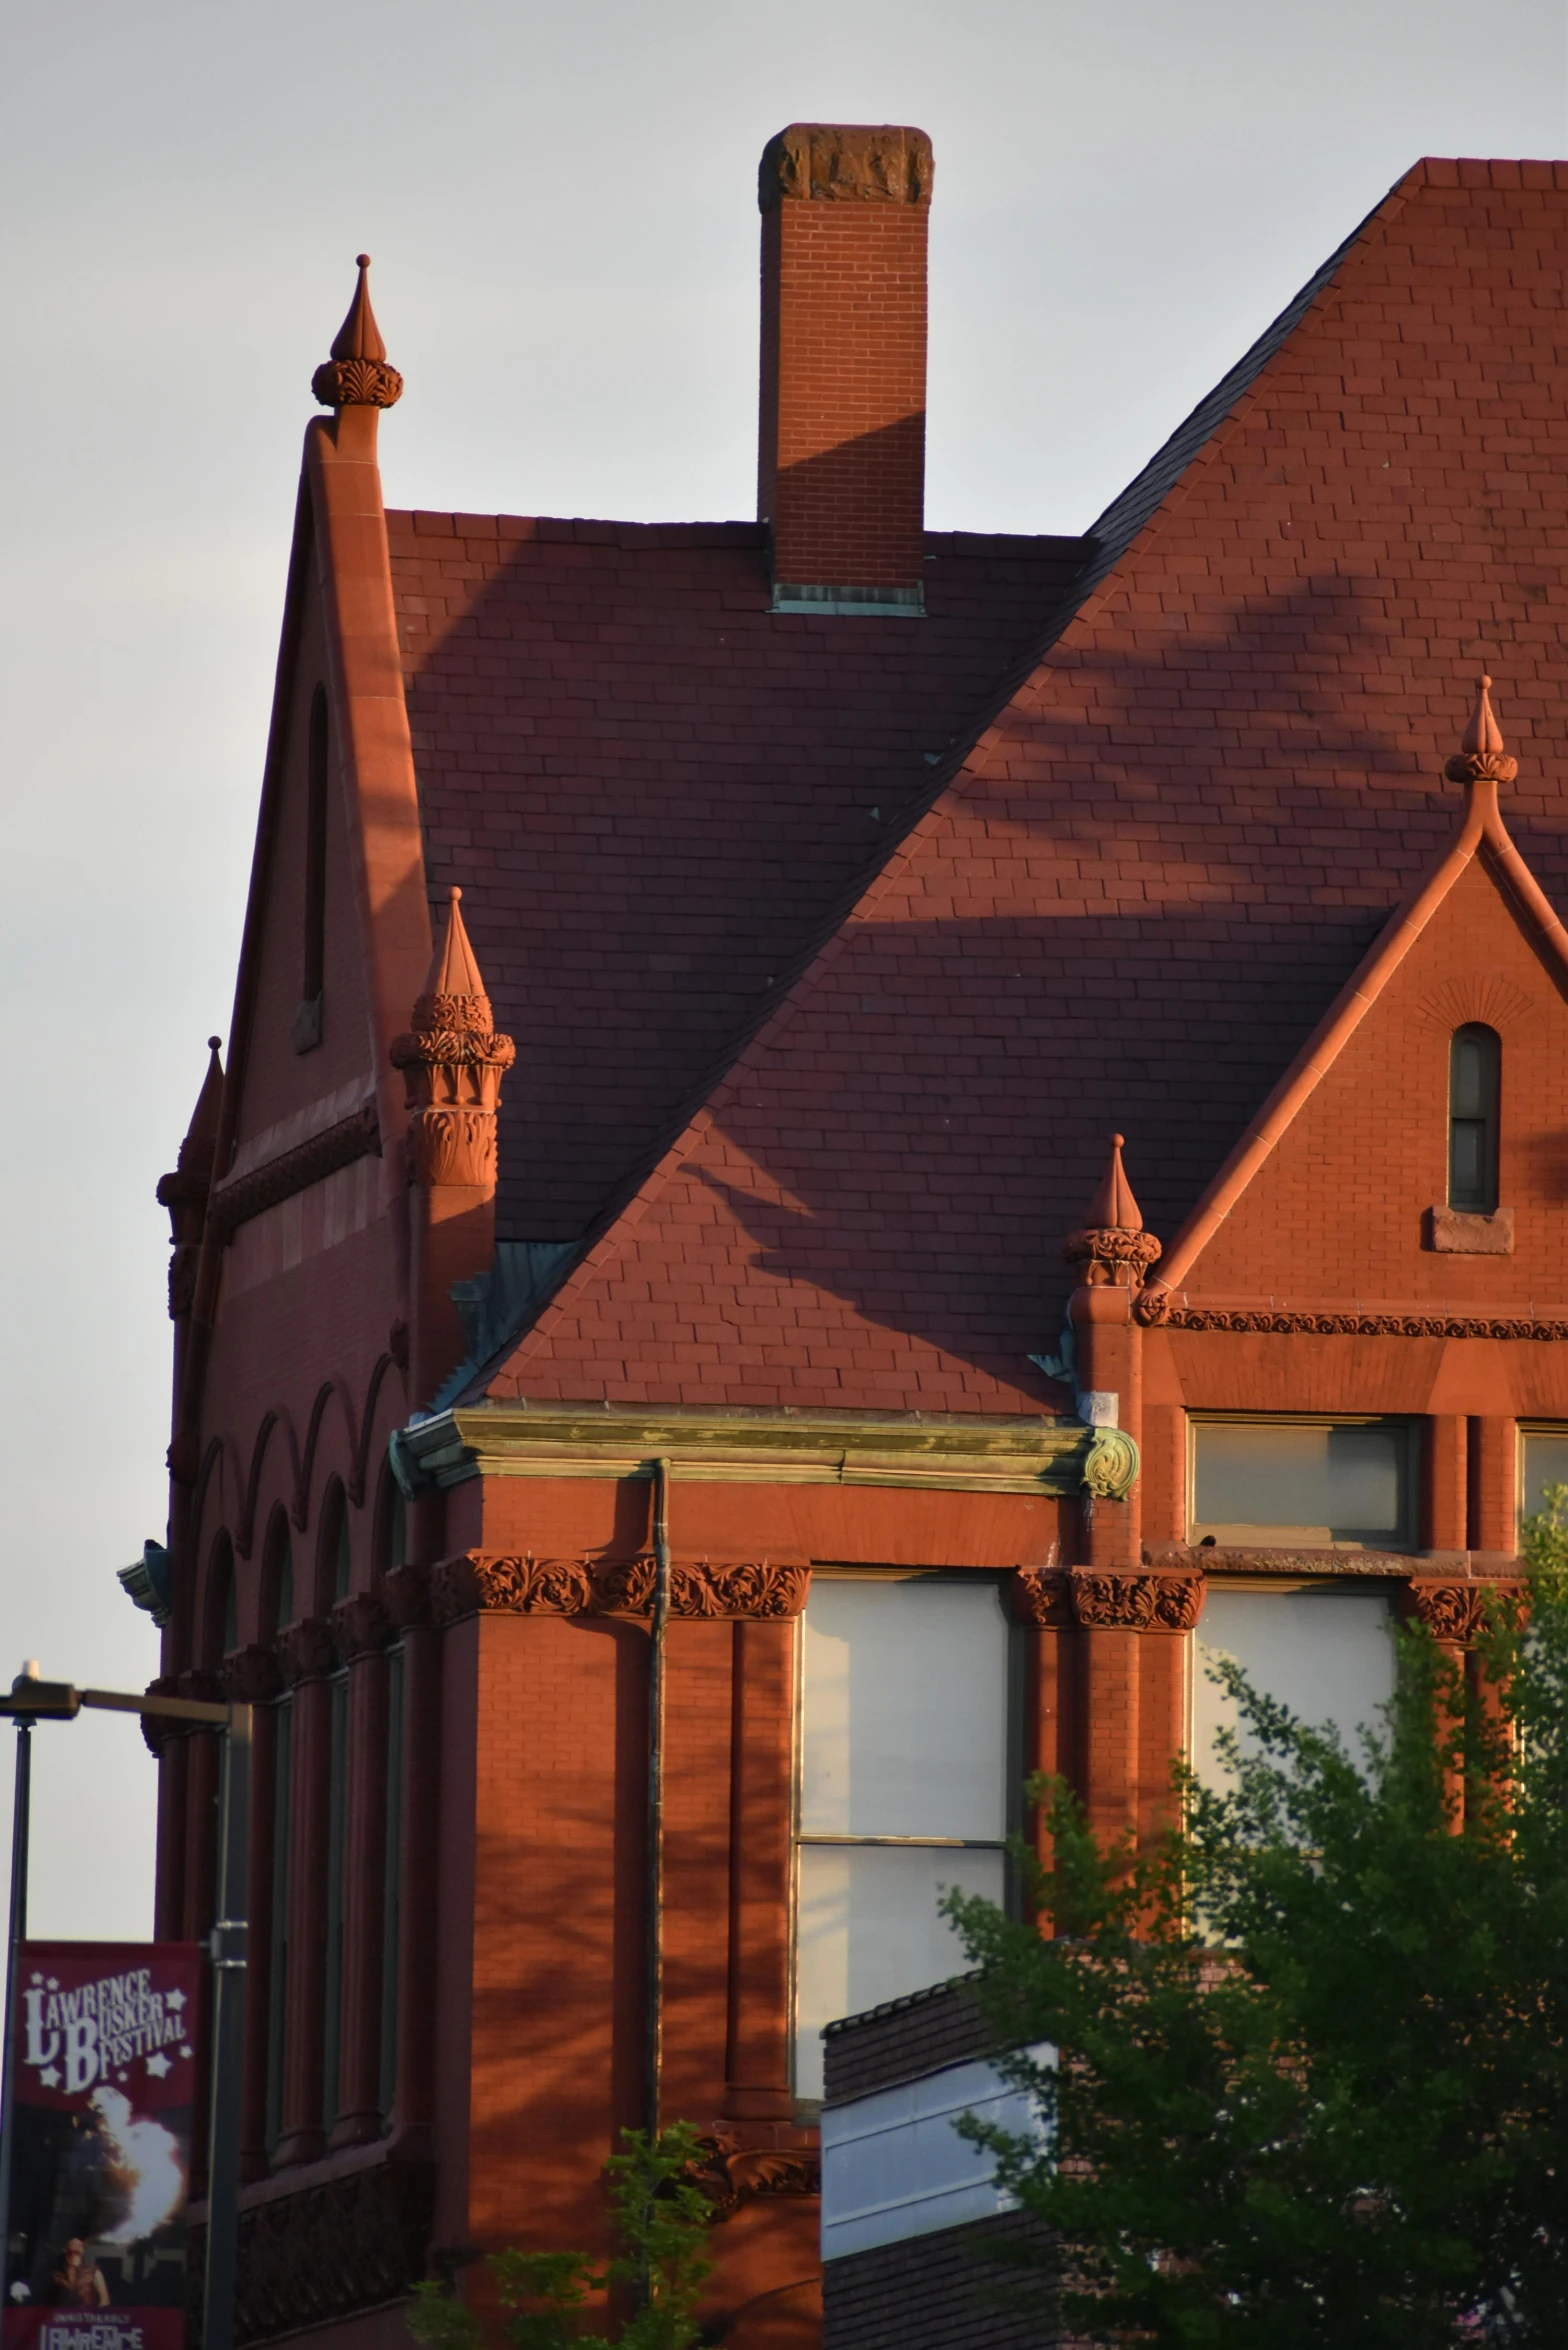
x=1155, y=870
x=656, y=795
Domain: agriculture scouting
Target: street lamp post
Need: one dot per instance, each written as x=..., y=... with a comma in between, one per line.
x=33, y=1700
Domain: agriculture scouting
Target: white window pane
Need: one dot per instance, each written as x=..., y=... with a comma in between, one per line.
x=1545, y=1463
x=1327, y=1654
x=1334, y=1484
x=905, y=1706
x=867, y=1929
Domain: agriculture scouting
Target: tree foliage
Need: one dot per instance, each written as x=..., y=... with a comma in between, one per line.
x=660, y=2218
x=1312, y=2085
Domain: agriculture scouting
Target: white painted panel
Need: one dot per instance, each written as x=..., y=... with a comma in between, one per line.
x=1326, y=1653
x=868, y=1929
x=905, y=1705
x=894, y=2166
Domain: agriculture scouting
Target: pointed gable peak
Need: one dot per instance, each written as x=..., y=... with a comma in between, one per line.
x=454, y=994
x=1480, y=757
x=357, y=374
x=201, y=1136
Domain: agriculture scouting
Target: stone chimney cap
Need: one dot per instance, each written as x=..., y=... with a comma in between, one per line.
x=357, y=374
x=846, y=163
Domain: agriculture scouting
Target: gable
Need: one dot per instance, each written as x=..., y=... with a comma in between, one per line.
x=1341, y=1210
x=285, y=1074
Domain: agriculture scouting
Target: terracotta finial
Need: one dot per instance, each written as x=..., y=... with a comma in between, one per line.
x=357, y=374
x=1113, y=1246
x=185, y=1190
x=452, y=1063
x=1480, y=757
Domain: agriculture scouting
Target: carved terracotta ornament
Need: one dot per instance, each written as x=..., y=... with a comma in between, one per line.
x=357, y=374
x=1156, y=1307
x=1480, y=757
x=1113, y=1246
x=329, y=2250
x=1462, y=1612
x=361, y=1625
x=1039, y=1596
x=1136, y=1602
x=1110, y=1466
x=251, y=1675
x=357, y=1136
x=730, y=2174
x=452, y=1063
x=845, y=163
x=405, y=1594
x=307, y=1650
x=481, y=1582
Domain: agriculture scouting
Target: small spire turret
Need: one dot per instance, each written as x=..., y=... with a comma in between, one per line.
x=1113, y=1246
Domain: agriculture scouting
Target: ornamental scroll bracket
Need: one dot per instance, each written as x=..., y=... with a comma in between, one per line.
x=1110, y=1465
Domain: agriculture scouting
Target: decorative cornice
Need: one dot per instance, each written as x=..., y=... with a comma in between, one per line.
x=484, y=1582
x=361, y=1626
x=307, y=1650
x=1461, y=1613
x=1154, y=1308
x=1133, y=1602
x=235, y=1203
x=958, y=1453
x=251, y=1676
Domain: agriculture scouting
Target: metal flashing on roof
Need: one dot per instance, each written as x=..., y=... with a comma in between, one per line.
x=867, y=603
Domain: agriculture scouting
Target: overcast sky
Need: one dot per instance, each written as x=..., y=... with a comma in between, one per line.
x=560, y=200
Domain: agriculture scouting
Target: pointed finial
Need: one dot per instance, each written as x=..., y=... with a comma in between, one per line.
x=1113, y=1246
x=452, y=1063
x=357, y=374
x=453, y=982
x=1480, y=757
x=201, y=1135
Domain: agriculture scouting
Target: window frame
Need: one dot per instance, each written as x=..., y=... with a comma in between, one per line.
x=1013, y=1733
x=1523, y=1431
x=1490, y=1121
x=1407, y=1426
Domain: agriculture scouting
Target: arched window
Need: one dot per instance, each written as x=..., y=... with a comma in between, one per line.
x=277, y=1575
x=1474, y=1070
x=220, y=1626
x=334, y=1561
x=308, y=1019
x=391, y=1533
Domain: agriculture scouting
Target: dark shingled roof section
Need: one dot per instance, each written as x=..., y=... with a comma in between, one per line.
x=947, y=2291
x=903, y=2039
x=658, y=797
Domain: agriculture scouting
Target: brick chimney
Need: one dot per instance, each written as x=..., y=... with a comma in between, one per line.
x=841, y=462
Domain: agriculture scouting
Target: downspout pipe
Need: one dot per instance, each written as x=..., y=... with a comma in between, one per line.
x=656, y=1662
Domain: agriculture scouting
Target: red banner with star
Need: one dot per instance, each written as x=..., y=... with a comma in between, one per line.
x=103, y=2062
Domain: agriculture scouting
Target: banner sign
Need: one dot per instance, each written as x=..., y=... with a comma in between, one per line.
x=104, y=2068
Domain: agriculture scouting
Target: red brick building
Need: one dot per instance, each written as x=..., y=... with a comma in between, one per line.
x=625, y=1438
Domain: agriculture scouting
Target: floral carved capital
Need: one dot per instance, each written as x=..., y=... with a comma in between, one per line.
x=1109, y=1253
x=1461, y=1613
x=357, y=383
x=307, y=1650
x=1136, y=1602
x=361, y=1626
x=251, y=1675
x=405, y=1593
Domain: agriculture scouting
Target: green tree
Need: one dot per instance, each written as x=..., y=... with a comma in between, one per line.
x=660, y=2217
x=1312, y=2086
